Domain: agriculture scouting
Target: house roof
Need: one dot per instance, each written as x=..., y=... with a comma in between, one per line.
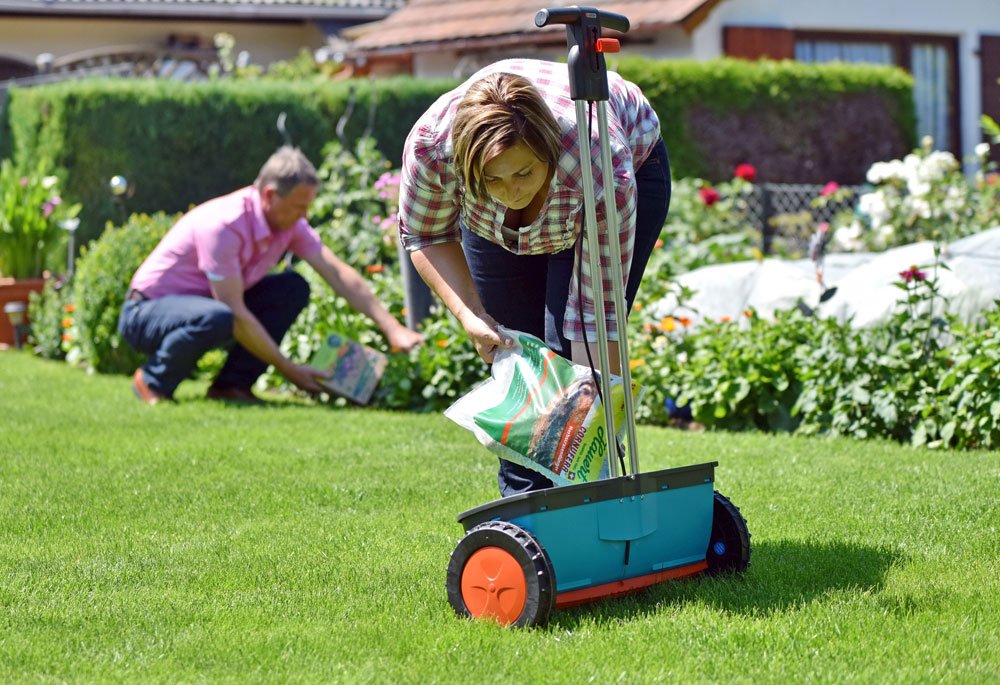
x=424, y=25
x=356, y=10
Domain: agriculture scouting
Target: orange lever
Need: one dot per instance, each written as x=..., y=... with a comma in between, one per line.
x=608, y=45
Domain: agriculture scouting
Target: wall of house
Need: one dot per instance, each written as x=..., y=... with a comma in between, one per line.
x=24, y=38
x=964, y=19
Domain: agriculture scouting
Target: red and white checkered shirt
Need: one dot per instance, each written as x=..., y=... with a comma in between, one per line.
x=431, y=202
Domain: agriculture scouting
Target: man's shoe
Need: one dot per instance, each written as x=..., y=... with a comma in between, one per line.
x=143, y=391
x=233, y=394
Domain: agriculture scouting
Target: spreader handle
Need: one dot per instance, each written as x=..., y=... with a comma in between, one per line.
x=575, y=15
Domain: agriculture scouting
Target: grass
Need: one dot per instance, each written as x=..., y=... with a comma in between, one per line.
x=297, y=543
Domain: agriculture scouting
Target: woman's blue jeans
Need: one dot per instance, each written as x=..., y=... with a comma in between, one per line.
x=176, y=330
x=529, y=292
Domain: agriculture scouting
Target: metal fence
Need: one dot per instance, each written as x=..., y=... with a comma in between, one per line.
x=789, y=212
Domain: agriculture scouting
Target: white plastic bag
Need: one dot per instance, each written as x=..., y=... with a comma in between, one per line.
x=542, y=411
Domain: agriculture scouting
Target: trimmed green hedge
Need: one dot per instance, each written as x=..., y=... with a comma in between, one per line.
x=795, y=122
x=181, y=143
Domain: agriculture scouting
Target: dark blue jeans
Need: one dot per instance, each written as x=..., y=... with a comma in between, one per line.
x=176, y=330
x=529, y=292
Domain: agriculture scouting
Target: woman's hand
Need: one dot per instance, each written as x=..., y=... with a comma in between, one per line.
x=482, y=331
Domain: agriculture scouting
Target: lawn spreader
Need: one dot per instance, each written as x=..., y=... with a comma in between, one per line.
x=524, y=555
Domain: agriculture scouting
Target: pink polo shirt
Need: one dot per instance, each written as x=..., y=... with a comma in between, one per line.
x=226, y=237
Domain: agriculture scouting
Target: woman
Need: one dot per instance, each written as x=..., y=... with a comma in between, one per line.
x=491, y=209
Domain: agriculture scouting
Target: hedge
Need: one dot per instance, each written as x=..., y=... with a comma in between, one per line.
x=181, y=143
x=795, y=122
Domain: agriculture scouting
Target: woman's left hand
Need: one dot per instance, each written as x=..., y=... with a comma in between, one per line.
x=482, y=331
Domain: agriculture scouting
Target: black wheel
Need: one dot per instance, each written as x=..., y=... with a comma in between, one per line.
x=729, y=544
x=499, y=571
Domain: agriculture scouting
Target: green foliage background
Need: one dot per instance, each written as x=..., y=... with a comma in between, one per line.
x=181, y=143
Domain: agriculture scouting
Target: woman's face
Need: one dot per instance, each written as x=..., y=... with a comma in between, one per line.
x=515, y=176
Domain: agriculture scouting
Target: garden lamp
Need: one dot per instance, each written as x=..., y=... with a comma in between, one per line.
x=121, y=190
x=118, y=185
x=70, y=226
x=15, y=312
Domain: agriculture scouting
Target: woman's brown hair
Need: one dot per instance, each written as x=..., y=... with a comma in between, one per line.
x=497, y=112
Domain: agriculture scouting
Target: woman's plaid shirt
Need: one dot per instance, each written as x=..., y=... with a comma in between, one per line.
x=431, y=203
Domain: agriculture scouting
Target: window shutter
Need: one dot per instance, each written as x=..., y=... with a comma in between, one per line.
x=754, y=42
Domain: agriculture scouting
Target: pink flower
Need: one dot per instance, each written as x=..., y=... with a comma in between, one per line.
x=912, y=274
x=824, y=227
x=829, y=189
x=709, y=195
x=24, y=181
x=746, y=171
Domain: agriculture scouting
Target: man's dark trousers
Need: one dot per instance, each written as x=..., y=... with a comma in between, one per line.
x=176, y=330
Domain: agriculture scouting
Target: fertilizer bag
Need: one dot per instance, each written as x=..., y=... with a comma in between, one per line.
x=542, y=411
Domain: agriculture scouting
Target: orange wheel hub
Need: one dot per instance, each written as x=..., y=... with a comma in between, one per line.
x=493, y=585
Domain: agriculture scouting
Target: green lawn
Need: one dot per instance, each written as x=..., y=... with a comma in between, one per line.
x=204, y=542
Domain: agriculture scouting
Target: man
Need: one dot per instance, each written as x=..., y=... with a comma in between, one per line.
x=207, y=283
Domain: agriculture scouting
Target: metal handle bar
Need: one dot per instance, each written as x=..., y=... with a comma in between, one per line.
x=575, y=15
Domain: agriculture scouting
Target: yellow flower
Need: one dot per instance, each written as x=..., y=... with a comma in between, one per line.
x=442, y=343
x=634, y=363
x=668, y=323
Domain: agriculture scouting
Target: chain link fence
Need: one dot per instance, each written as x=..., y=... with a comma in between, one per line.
x=787, y=213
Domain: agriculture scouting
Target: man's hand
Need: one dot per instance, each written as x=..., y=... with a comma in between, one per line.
x=402, y=339
x=482, y=331
x=304, y=377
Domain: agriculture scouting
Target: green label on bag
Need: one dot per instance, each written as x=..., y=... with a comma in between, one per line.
x=540, y=376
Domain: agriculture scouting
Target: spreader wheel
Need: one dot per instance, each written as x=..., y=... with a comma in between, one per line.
x=729, y=544
x=499, y=571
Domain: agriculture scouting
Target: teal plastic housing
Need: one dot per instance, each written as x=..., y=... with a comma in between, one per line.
x=615, y=529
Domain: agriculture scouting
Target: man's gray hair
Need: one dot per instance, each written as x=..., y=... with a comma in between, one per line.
x=285, y=169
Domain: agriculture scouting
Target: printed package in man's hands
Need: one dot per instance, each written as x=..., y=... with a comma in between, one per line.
x=352, y=369
x=542, y=411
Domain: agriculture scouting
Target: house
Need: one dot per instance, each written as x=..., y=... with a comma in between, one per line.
x=952, y=49
x=41, y=35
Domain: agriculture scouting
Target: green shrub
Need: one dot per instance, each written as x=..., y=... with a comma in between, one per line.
x=102, y=276
x=354, y=211
x=52, y=319
x=183, y=143
x=964, y=409
x=738, y=375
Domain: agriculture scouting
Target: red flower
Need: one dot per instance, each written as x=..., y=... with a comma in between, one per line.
x=709, y=195
x=374, y=268
x=829, y=189
x=912, y=274
x=746, y=171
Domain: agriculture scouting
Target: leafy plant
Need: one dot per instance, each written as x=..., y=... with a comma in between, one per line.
x=32, y=240
x=102, y=276
x=354, y=210
x=707, y=224
x=52, y=319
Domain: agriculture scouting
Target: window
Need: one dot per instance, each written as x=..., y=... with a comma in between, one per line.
x=930, y=59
